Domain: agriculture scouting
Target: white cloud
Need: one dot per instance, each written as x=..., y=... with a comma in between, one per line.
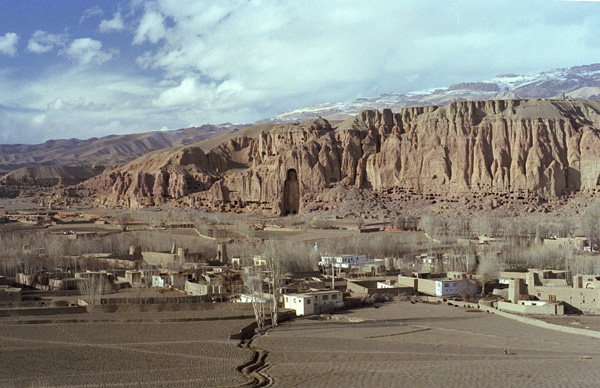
x=281, y=56
x=151, y=28
x=241, y=61
x=57, y=104
x=107, y=102
x=186, y=93
x=43, y=42
x=114, y=24
x=8, y=43
x=87, y=51
x=211, y=96
x=39, y=119
x=90, y=13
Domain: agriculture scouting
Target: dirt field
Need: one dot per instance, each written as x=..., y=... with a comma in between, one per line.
x=591, y=322
x=421, y=345
x=174, y=349
x=20, y=203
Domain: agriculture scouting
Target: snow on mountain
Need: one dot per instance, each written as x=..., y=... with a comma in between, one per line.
x=580, y=82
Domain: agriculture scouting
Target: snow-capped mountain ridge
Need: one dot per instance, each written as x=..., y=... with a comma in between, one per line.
x=579, y=82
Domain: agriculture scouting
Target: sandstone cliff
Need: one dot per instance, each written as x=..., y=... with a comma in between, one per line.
x=524, y=148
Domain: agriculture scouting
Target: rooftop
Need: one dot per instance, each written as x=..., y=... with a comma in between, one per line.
x=312, y=293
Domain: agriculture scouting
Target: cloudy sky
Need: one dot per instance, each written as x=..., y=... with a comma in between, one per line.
x=93, y=68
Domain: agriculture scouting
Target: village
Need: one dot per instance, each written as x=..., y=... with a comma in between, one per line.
x=265, y=288
x=331, y=281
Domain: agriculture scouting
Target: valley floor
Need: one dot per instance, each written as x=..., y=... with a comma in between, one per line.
x=397, y=344
x=170, y=349
x=422, y=345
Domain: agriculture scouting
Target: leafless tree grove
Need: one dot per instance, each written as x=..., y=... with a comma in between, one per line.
x=253, y=278
x=93, y=287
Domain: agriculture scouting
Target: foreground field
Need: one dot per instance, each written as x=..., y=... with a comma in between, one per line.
x=421, y=345
x=174, y=349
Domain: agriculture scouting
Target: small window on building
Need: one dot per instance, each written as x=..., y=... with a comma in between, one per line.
x=333, y=296
x=325, y=297
x=307, y=301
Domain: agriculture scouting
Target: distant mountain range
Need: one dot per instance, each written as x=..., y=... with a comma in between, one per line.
x=580, y=82
x=105, y=151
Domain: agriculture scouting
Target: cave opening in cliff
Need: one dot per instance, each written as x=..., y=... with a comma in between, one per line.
x=291, y=193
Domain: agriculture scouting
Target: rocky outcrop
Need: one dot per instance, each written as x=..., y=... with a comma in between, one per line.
x=525, y=148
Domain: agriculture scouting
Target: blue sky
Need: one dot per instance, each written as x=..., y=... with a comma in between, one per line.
x=93, y=68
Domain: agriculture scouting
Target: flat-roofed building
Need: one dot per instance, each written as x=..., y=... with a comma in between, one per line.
x=316, y=302
x=553, y=286
x=344, y=261
x=436, y=286
x=134, y=277
x=575, y=243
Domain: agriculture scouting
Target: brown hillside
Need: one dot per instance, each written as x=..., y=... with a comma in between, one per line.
x=110, y=150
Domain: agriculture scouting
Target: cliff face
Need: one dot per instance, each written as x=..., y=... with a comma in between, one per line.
x=543, y=148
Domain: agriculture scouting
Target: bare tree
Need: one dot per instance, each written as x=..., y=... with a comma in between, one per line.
x=123, y=219
x=275, y=268
x=253, y=278
x=485, y=225
x=467, y=290
x=460, y=226
x=93, y=287
x=488, y=270
x=434, y=225
x=590, y=223
x=562, y=227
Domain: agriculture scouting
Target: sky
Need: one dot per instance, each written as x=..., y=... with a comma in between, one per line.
x=82, y=69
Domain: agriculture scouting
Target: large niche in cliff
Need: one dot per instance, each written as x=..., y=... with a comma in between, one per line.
x=291, y=193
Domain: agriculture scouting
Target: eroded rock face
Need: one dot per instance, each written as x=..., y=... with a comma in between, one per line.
x=540, y=148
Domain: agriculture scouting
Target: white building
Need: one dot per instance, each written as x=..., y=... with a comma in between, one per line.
x=259, y=261
x=238, y=262
x=446, y=287
x=436, y=286
x=248, y=298
x=316, y=302
x=347, y=261
x=160, y=281
x=388, y=284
